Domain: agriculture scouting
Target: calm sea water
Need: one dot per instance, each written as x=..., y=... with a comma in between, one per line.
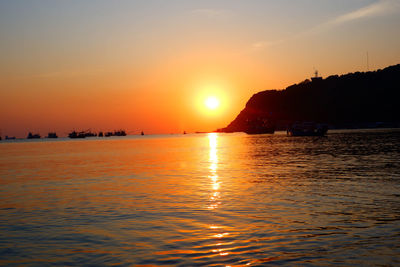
x=207, y=199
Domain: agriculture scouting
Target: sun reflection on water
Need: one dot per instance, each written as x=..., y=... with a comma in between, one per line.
x=215, y=195
x=213, y=159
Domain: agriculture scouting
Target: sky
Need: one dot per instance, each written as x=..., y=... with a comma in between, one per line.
x=150, y=65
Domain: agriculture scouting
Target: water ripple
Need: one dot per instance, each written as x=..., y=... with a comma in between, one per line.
x=194, y=200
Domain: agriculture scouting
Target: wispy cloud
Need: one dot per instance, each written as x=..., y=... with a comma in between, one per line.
x=212, y=13
x=376, y=9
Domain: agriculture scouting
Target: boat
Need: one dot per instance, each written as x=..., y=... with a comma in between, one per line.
x=75, y=134
x=260, y=130
x=100, y=134
x=260, y=126
x=115, y=133
x=120, y=133
x=10, y=137
x=82, y=134
x=52, y=135
x=142, y=133
x=33, y=136
x=307, y=129
x=89, y=134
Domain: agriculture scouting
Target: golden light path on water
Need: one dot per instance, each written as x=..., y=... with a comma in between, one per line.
x=215, y=198
x=213, y=138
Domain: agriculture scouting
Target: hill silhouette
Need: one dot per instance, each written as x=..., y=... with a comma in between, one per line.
x=359, y=99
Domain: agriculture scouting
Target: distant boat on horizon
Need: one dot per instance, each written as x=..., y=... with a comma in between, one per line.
x=33, y=136
x=120, y=133
x=52, y=135
x=75, y=134
x=115, y=133
x=89, y=133
x=307, y=129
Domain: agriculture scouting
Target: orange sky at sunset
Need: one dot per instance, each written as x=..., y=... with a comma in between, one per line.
x=149, y=65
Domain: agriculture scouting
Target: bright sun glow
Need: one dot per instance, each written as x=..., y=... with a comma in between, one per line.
x=212, y=102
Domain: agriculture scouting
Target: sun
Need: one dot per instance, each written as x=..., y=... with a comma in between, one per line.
x=211, y=102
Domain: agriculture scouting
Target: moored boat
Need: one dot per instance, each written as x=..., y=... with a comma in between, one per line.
x=307, y=129
x=82, y=134
x=115, y=133
x=75, y=134
x=52, y=135
x=89, y=134
x=260, y=126
x=33, y=136
x=260, y=130
x=120, y=133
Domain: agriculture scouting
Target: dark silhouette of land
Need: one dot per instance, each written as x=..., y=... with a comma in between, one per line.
x=354, y=100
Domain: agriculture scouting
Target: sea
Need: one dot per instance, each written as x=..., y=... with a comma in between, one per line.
x=202, y=200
